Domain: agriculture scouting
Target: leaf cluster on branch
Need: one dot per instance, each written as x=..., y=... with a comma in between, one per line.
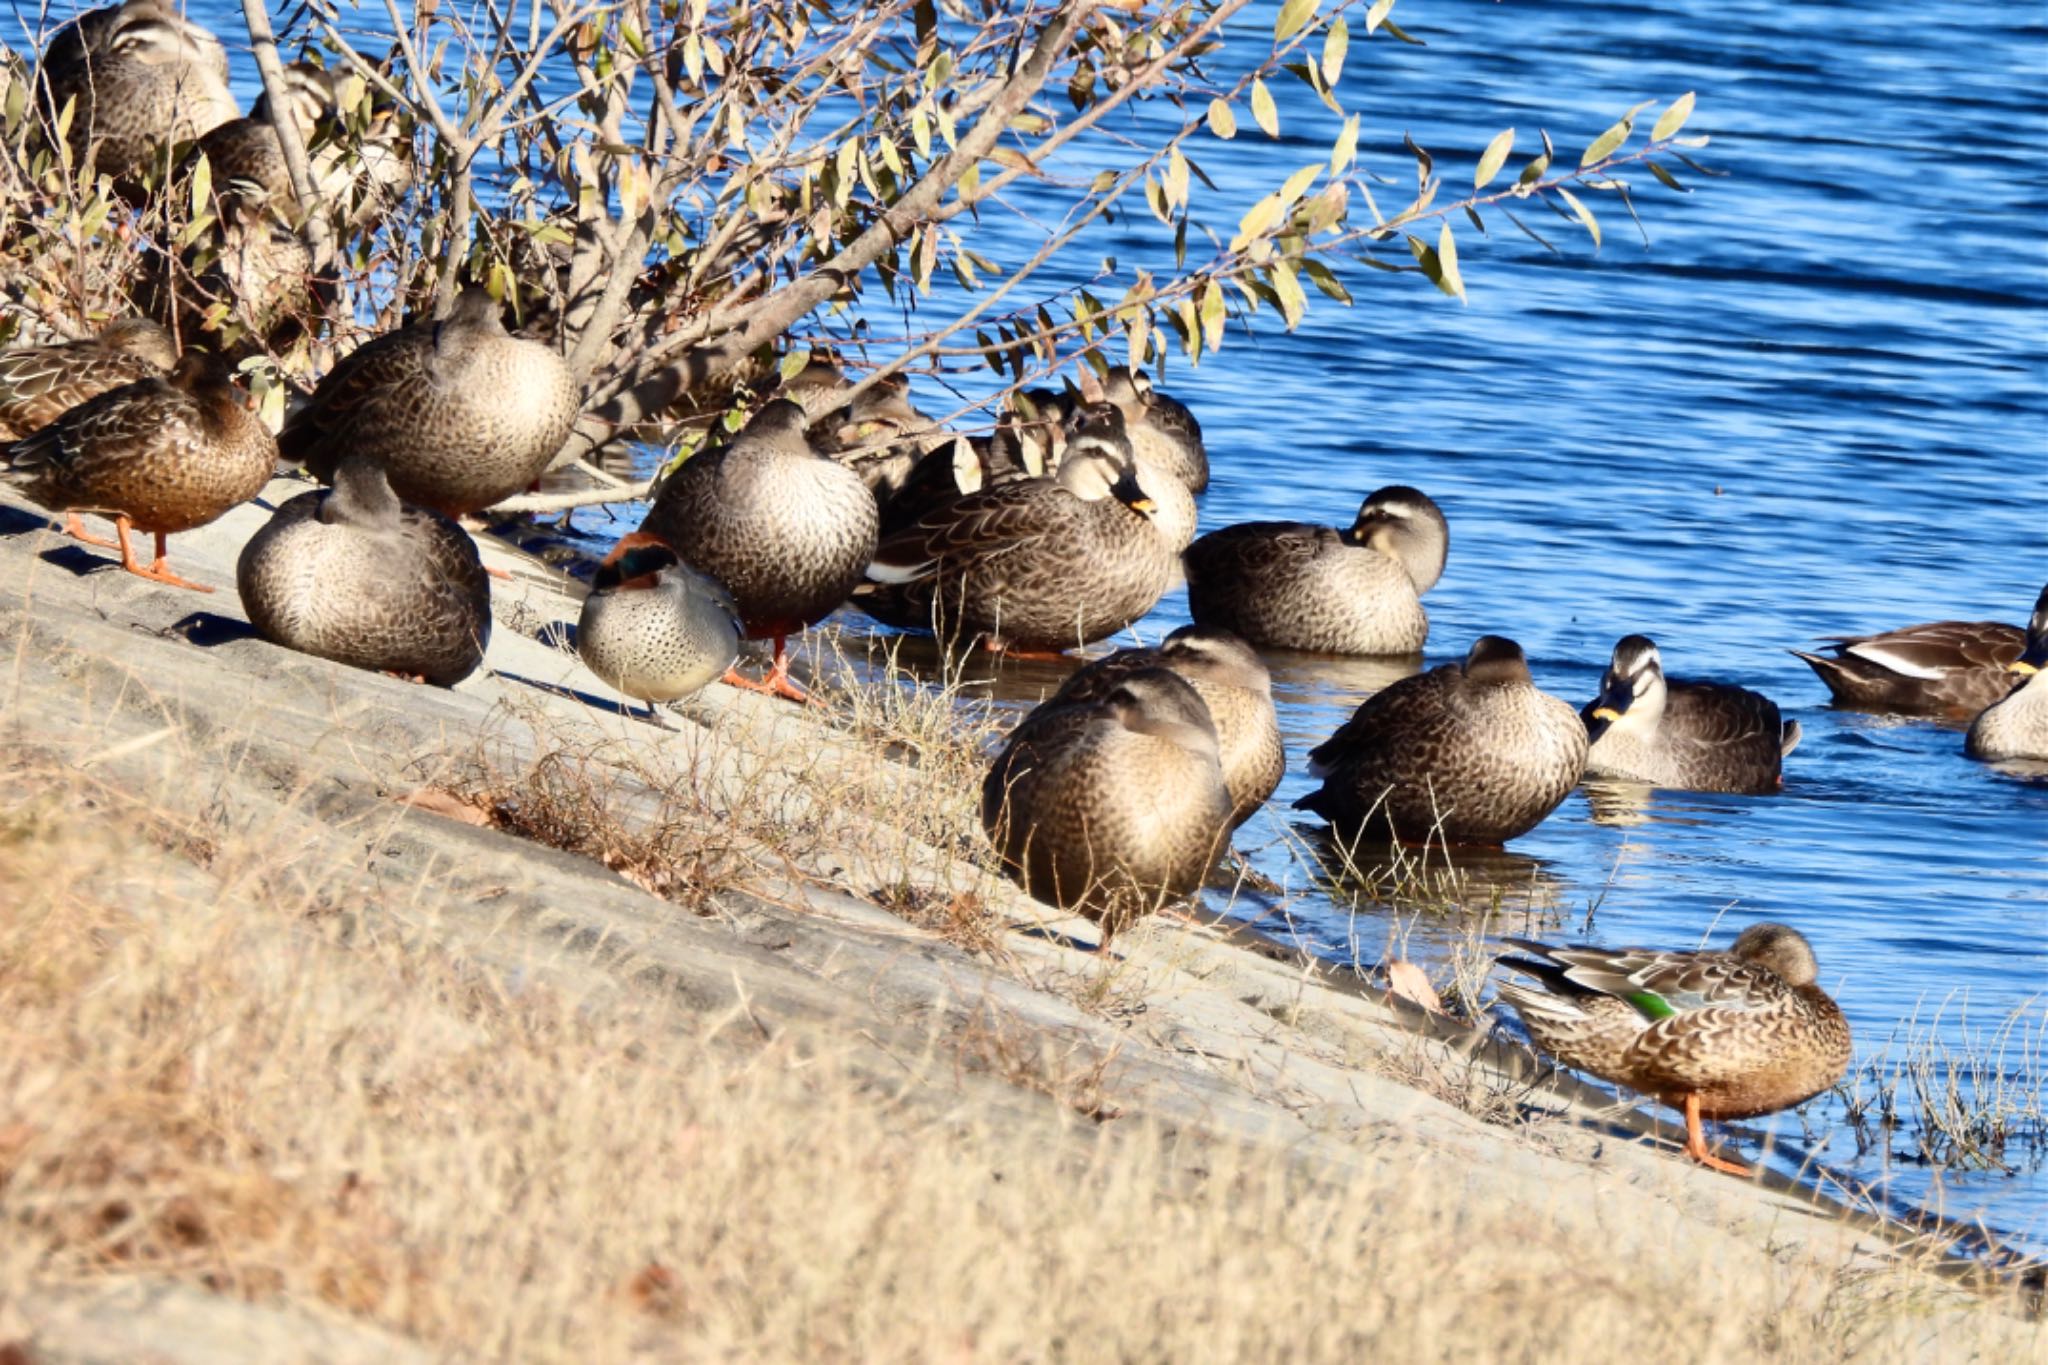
x=683, y=192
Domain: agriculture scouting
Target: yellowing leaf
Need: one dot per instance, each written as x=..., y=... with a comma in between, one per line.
x=1336, y=43
x=1494, y=157
x=1222, y=122
x=1673, y=118
x=1377, y=15
x=1176, y=177
x=1592, y=227
x=1606, y=143
x=1294, y=15
x=1258, y=220
x=1264, y=110
x=1213, y=315
x=1447, y=262
x=1345, y=149
x=1298, y=183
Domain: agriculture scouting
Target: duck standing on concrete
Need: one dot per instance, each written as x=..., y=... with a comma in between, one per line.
x=139, y=77
x=1112, y=806
x=787, y=530
x=655, y=628
x=158, y=455
x=1715, y=1035
x=1468, y=753
x=460, y=413
x=2016, y=725
x=352, y=574
x=1690, y=736
x=39, y=384
x=1952, y=667
x=1036, y=565
x=1232, y=682
x=1291, y=585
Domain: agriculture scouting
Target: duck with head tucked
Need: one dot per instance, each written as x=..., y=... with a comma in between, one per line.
x=1232, y=682
x=1467, y=753
x=140, y=77
x=1290, y=585
x=461, y=413
x=352, y=574
x=786, y=529
x=1112, y=806
x=1035, y=565
x=2016, y=725
x=160, y=455
x=1955, y=668
x=1691, y=736
x=655, y=628
x=1715, y=1035
x=39, y=384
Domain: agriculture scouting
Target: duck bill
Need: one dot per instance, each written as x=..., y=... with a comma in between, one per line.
x=1610, y=706
x=2031, y=662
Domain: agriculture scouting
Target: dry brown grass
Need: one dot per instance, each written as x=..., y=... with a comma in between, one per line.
x=202, y=1077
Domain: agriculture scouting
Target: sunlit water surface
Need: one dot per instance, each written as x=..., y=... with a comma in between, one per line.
x=1814, y=403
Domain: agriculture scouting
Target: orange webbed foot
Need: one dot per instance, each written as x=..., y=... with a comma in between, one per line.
x=159, y=569
x=1696, y=1144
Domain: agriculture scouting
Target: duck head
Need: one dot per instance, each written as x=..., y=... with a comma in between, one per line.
x=1632, y=691
x=1407, y=526
x=1496, y=661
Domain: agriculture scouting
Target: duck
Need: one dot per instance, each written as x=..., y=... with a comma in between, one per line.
x=1111, y=806
x=1291, y=585
x=1467, y=753
x=365, y=174
x=160, y=455
x=461, y=413
x=1938, y=667
x=786, y=529
x=1163, y=430
x=353, y=574
x=139, y=77
x=1232, y=681
x=963, y=465
x=39, y=384
x=872, y=435
x=1035, y=566
x=2016, y=725
x=1691, y=736
x=1161, y=464
x=655, y=628
x=1715, y=1035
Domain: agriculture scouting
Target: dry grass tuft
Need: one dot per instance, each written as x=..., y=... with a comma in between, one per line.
x=205, y=1078
x=1960, y=1097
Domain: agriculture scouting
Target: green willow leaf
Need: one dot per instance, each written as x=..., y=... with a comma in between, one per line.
x=1667, y=177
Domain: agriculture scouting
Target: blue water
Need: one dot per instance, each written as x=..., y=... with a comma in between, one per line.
x=1814, y=403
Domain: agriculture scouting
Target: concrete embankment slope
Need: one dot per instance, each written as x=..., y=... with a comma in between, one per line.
x=804, y=830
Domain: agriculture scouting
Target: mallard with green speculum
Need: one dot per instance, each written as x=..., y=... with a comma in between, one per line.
x=1714, y=1035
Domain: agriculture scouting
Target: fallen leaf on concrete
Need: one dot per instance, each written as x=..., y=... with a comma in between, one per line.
x=1406, y=980
x=436, y=801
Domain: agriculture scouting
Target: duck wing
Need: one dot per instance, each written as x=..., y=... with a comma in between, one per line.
x=978, y=526
x=1934, y=648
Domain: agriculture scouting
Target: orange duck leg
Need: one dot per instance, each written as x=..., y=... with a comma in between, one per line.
x=157, y=572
